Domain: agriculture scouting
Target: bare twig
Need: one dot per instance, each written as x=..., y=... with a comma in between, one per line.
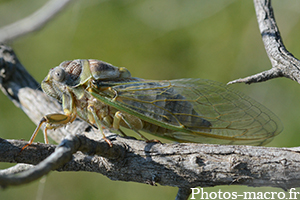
x=46, y=161
x=284, y=64
x=21, y=167
x=62, y=155
x=33, y=22
x=178, y=165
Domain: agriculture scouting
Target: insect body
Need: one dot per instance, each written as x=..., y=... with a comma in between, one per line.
x=184, y=110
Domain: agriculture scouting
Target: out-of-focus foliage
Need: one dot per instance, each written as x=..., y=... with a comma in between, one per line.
x=160, y=39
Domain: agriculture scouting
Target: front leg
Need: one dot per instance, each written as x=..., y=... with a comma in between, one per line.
x=52, y=121
x=56, y=120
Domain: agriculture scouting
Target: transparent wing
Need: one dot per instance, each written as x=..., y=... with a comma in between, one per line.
x=197, y=110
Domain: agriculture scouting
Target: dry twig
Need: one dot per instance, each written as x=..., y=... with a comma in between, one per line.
x=33, y=22
x=284, y=64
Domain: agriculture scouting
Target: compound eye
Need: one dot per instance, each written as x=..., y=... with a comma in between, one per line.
x=59, y=74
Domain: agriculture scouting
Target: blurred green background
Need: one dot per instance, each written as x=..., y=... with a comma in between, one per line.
x=154, y=39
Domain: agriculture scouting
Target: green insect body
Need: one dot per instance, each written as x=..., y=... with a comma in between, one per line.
x=184, y=110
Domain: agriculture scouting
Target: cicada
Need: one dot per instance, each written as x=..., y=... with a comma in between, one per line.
x=183, y=110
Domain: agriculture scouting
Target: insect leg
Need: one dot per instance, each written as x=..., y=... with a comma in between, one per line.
x=35, y=133
x=52, y=121
x=98, y=123
x=116, y=124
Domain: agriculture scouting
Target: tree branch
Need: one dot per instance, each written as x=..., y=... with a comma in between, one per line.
x=284, y=64
x=179, y=165
x=33, y=22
